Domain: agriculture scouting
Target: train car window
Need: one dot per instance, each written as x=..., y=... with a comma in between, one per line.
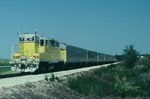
x=57, y=44
x=41, y=42
x=70, y=54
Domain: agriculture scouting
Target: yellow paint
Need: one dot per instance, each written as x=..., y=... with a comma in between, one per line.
x=16, y=55
x=36, y=55
x=27, y=48
x=44, y=53
x=49, y=53
x=63, y=55
x=54, y=53
x=42, y=49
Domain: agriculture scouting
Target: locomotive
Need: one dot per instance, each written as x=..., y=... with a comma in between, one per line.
x=35, y=52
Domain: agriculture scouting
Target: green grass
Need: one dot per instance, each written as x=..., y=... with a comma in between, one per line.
x=113, y=81
x=88, y=85
x=4, y=62
x=4, y=69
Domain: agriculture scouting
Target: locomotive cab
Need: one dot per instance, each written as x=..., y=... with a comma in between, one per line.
x=26, y=58
x=35, y=52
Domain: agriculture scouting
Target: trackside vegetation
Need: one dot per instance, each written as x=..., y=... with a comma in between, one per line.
x=5, y=70
x=130, y=56
x=126, y=79
x=4, y=62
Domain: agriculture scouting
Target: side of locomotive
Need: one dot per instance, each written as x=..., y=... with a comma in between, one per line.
x=36, y=52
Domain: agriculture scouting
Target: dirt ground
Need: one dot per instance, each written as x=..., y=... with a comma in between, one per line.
x=39, y=90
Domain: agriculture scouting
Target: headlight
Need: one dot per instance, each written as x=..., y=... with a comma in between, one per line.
x=36, y=55
x=16, y=56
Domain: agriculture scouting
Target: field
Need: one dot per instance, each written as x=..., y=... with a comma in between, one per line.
x=4, y=62
x=4, y=69
x=115, y=81
x=4, y=66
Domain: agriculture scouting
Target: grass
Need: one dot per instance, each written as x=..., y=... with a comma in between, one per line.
x=113, y=81
x=4, y=69
x=4, y=62
x=88, y=85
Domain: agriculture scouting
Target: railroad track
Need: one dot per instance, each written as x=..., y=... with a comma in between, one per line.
x=16, y=79
x=17, y=74
x=10, y=75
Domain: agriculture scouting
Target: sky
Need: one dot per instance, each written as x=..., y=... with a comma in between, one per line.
x=105, y=26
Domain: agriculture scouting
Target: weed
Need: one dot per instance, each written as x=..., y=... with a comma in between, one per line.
x=125, y=88
x=52, y=78
x=46, y=78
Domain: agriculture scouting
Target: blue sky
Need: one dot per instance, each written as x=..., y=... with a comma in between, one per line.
x=99, y=25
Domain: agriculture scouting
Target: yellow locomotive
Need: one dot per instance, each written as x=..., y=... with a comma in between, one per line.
x=35, y=50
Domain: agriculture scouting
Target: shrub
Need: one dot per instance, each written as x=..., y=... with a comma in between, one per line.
x=113, y=81
x=125, y=88
x=130, y=56
x=145, y=61
x=89, y=85
x=52, y=78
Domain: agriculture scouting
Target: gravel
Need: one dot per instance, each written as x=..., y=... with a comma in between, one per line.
x=37, y=87
x=8, y=82
x=39, y=90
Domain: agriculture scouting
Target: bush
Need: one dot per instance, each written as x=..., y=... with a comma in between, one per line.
x=130, y=56
x=89, y=85
x=125, y=88
x=5, y=69
x=113, y=81
x=145, y=61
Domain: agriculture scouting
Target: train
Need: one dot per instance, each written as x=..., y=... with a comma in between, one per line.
x=35, y=52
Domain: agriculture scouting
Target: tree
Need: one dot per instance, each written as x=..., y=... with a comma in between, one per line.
x=130, y=56
x=119, y=57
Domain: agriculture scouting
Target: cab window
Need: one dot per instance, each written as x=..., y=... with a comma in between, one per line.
x=57, y=44
x=30, y=39
x=52, y=42
x=21, y=39
x=41, y=42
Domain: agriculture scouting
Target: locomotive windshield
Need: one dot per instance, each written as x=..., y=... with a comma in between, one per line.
x=27, y=38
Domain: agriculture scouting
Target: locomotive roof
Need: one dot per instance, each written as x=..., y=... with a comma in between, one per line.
x=35, y=34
